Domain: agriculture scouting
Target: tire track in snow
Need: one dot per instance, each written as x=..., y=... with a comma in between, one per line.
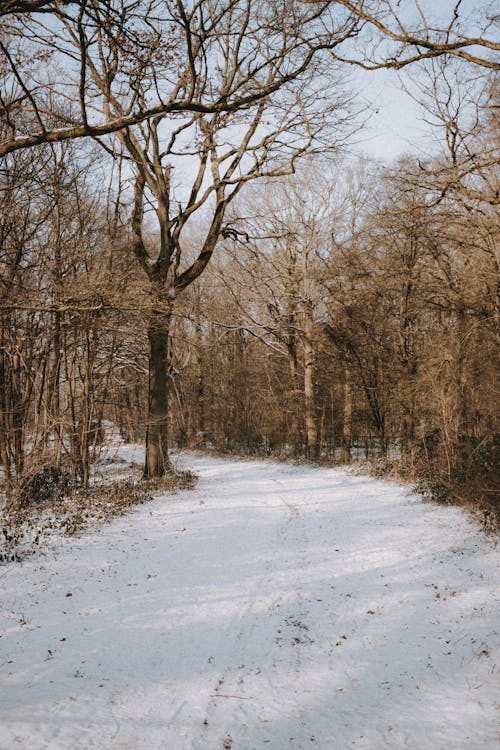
x=231, y=708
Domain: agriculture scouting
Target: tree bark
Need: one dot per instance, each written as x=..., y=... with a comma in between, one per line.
x=4, y=422
x=53, y=393
x=200, y=381
x=309, y=405
x=296, y=428
x=347, y=416
x=157, y=461
x=309, y=400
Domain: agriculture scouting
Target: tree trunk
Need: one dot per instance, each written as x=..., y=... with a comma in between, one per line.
x=4, y=421
x=309, y=400
x=309, y=406
x=53, y=395
x=17, y=414
x=200, y=382
x=295, y=428
x=157, y=461
x=347, y=416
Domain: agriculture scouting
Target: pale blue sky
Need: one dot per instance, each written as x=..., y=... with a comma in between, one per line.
x=397, y=124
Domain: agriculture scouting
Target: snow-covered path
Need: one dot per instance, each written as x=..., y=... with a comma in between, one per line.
x=272, y=607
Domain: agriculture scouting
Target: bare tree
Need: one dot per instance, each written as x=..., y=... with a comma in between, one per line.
x=171, y=45
x=372, y=34
x=393, y=35
x=280, y=232
x=462, y=109
x=277, y=107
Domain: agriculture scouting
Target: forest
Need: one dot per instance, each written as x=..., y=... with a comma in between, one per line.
x=193, y=253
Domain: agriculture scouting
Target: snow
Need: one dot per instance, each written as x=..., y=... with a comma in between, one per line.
x=274, y=606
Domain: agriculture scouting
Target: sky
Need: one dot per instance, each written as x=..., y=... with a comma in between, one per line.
x=397, y=124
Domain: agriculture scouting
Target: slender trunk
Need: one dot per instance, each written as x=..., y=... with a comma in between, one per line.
x=86, y=412
x=4, y=420
x=461, y=387
x=157, y=461
x=17, y=414
x=124, y=409
x=347, y=416
x=309, y=405
x=200, y=380
x=53, y=397
x=293, y=400
x=72, y=428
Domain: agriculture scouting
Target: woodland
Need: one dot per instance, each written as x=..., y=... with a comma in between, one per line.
x=193, y=252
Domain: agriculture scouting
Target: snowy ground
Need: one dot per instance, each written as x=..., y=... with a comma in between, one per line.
x=272, y=607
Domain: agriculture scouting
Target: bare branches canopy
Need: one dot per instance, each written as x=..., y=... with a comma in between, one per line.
x=57, y=53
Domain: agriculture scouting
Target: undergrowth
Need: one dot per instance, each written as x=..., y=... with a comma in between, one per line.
x=39, y=513
x=473, y=486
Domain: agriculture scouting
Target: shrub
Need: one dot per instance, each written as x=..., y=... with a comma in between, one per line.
x=46, y=484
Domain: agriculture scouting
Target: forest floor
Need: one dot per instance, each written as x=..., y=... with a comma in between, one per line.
x=273, y=606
